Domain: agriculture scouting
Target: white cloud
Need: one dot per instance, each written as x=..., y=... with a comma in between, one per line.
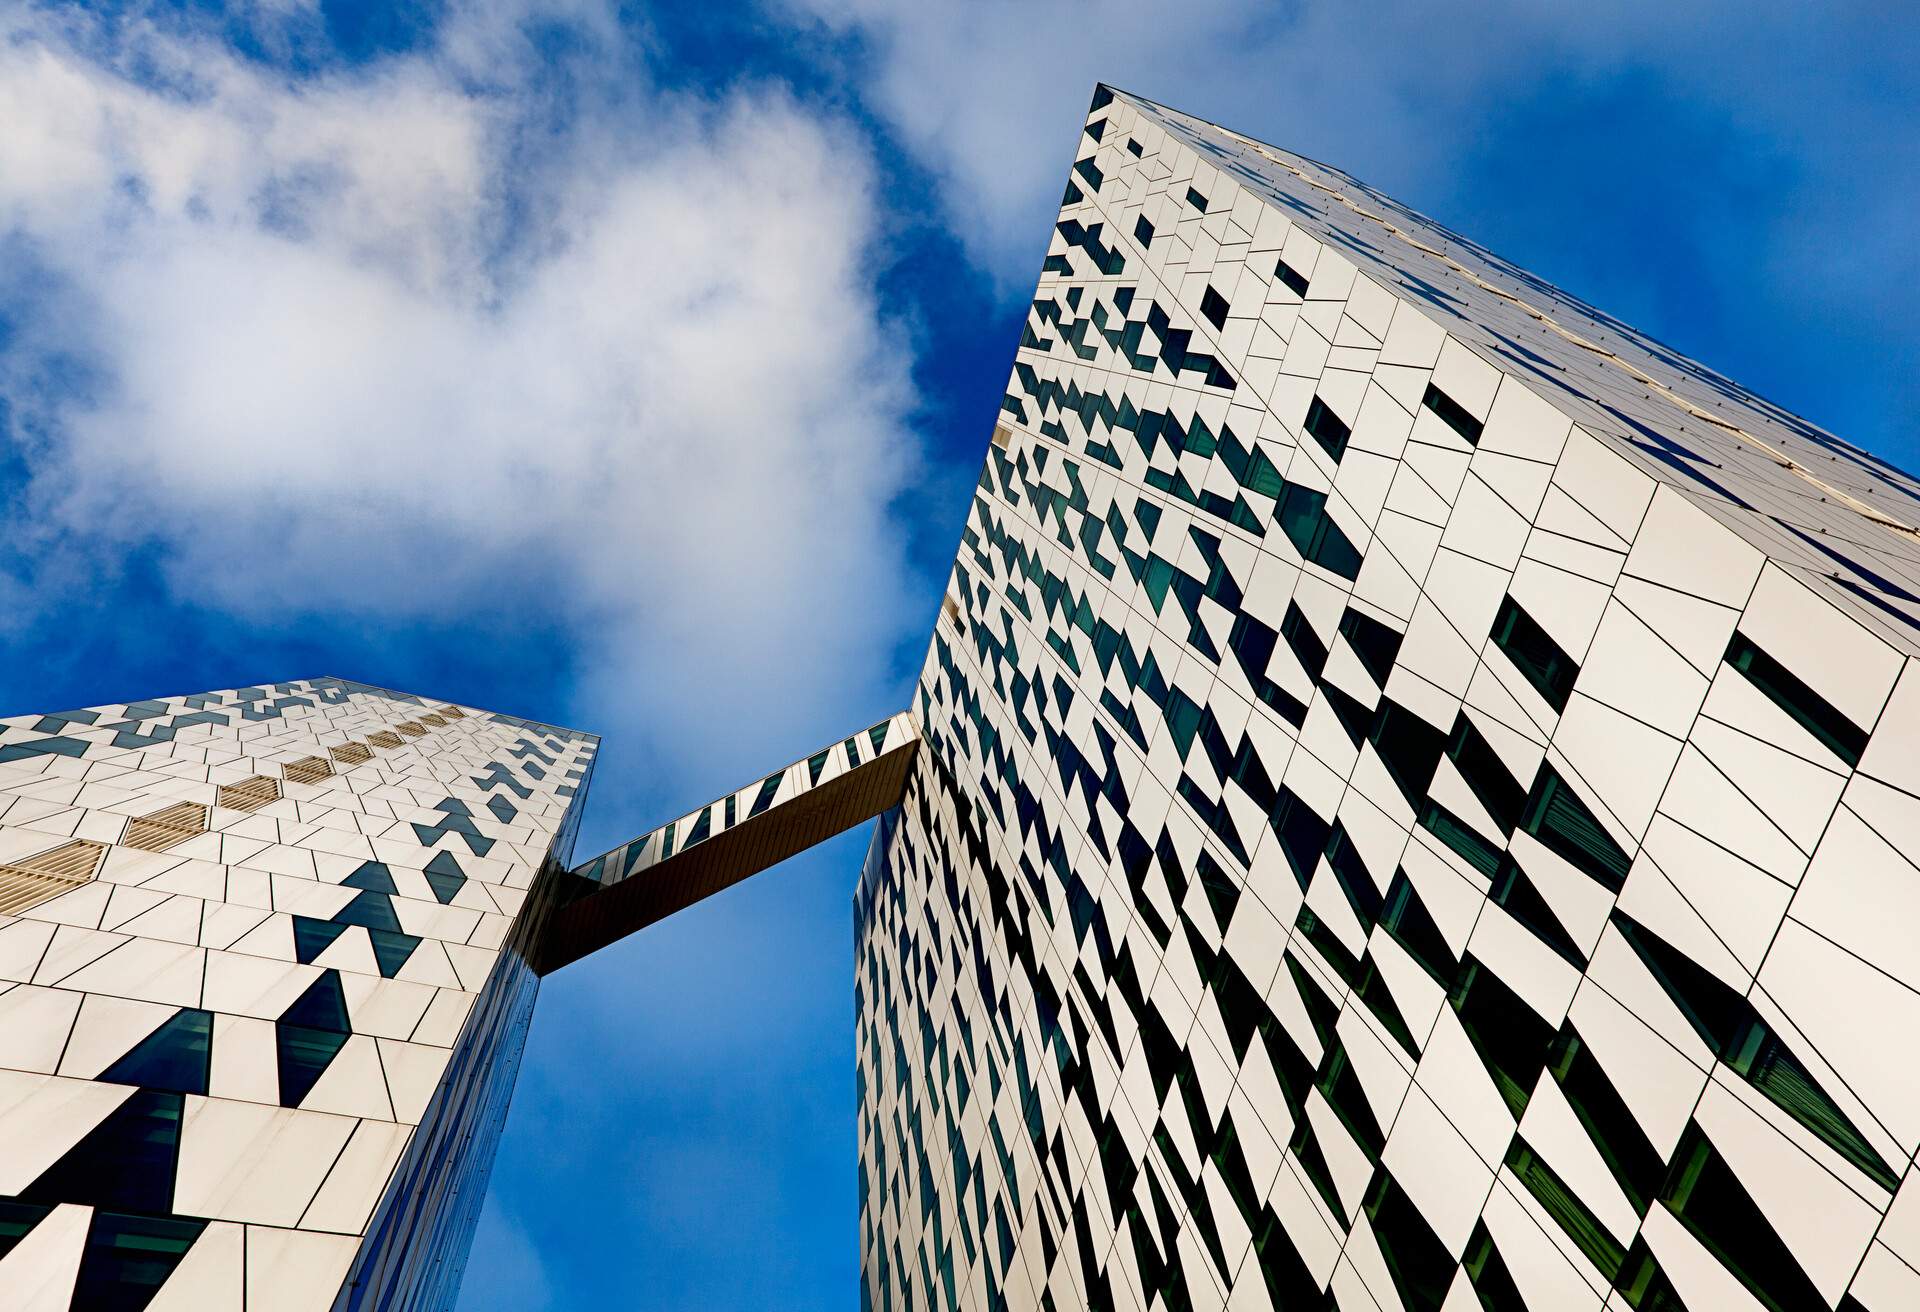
x=382, y=343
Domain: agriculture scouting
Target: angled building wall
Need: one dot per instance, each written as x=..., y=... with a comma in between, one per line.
x=263, y=991
x=1419, y=804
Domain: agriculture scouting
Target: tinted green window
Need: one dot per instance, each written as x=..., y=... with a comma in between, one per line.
x=1460, y=837
x=768, y=787
x=1327, y=428
x=1809, y=709
x=1564, y=1206
x=1561, y=821
x=128, y=1258
x=175, y=1057
x=1487, y=1272
x=1536, y=655
x=1299, y=513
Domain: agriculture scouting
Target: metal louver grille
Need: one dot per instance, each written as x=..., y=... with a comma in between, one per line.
x=249, y=794
x=452, y=712
x=436, y=721
x=385, y=738
x=350, y=753
x=411, y=728
x=307, y=770
x=32, y=880
x=162, y=829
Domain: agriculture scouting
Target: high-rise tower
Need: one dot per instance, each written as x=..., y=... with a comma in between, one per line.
x=1410, y=804
x=1419, y=806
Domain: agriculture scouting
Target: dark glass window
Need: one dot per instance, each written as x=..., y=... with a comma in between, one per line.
x=1636, y=1165
x=1302, y=516
x=303, y=1057
x=1143, y=231
x=1133, y=148
x=764, y=798
x=1327, y=428
x=1374, y=643
x=1516, y=893
x=17, y=1219
x=1487, y=1273
x=1708, y=1198
x=1459, y=836
x=1809, y=709
x=1343, y=858
x=175, y=1057
x=1302, y=834
x=1509, y=1035
x=1562, y=822
x=1486, y=774
x=1306, y=644
x=1291, y=277
x=128, y=1258
x=1406, y=918
x=1196, y=200
x=1564, y=1206
x=1214, y=306
x=1421, y=1266
x=1410, y=749
x=1534, y=653
x=126, y=1161
x=1453, y=413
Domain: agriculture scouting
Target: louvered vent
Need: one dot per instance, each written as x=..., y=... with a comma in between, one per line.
x=349, y=754
x=249, y=794
x=437, y=721
x=1001, y=437
x=307, y=770
x=452, y=712
x=32, y=880
x=386, y=738
x=411, y=728
x=162, y=829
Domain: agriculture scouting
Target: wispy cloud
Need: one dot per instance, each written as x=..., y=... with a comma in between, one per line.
x=393, y=340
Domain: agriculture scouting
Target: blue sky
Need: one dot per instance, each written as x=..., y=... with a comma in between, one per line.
x=628, y=367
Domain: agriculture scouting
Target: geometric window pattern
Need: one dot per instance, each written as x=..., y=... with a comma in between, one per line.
x=245, y=937
x=1421, y=800
x=1410, y=804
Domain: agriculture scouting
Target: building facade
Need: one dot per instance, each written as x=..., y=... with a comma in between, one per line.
x=1419, y=807
x=1411, y=804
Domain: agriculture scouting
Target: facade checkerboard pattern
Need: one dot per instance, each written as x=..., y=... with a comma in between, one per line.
x=1420, y=800
x=258, y=1030
x=1411, y=805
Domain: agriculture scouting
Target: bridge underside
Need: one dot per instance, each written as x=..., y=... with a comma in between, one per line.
x=671, y=868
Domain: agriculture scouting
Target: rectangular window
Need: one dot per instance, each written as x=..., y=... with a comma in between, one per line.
x=1143, y=231
x=1453, y=413
x=1534, y=653
x=1291, y=277
x=1809, y=709
x=1214, y=306
x=1196, y=200
x=1328, y=429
